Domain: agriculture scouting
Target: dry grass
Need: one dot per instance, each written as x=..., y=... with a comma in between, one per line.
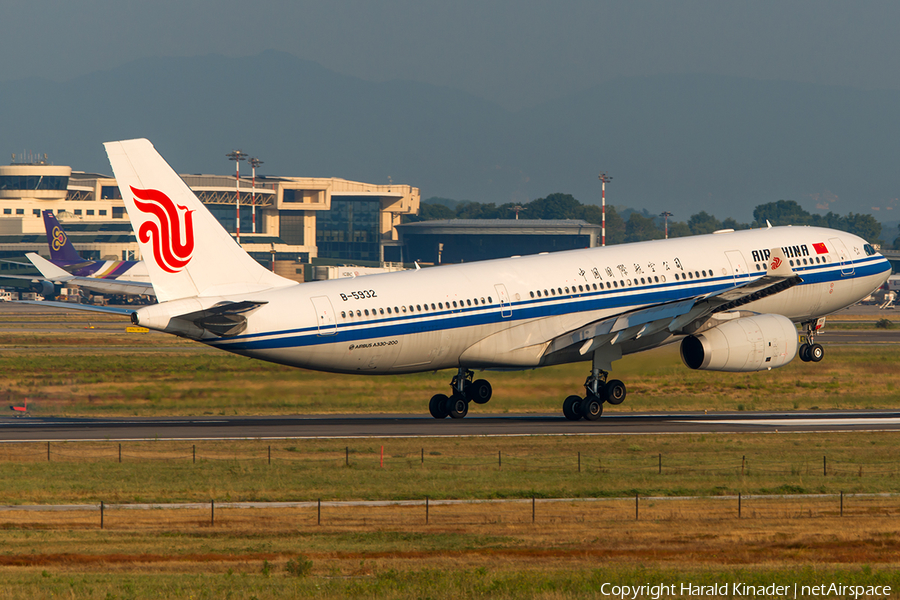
x=670, y=534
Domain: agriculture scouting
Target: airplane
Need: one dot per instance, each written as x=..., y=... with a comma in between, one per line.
x=66, y=265
x=64, y=255
x=731, y=298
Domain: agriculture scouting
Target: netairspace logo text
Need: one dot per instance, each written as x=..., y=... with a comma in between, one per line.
x=743, y=590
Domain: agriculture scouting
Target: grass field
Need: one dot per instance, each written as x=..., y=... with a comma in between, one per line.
x=465, y=550
x=110, y=373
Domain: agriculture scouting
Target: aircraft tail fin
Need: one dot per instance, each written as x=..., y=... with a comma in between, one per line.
x=187, y=252
x=61, y=248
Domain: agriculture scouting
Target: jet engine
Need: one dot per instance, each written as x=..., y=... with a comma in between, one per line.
x=754, y=343
x=44, y=288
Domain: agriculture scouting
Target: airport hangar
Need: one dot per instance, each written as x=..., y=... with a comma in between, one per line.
x=287, y=223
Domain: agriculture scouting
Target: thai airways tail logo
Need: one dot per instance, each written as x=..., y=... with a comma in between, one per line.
x=172, y=233
x=59, y=238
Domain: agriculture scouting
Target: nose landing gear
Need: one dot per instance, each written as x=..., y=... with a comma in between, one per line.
x=465, y=390
x=809, y=350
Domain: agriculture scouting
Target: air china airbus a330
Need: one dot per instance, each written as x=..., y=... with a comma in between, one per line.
x=732, y=298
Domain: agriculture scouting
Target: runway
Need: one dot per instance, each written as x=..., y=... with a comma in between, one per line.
x=27, y=429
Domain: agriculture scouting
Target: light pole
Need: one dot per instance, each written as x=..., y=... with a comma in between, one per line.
x=603, y=179
x=665, y=215
x=237, y=156
x=254, y=162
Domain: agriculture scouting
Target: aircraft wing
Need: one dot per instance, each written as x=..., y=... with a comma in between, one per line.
x=675, y=316
x=115, y=310
x=109, y=286
x=13, y=262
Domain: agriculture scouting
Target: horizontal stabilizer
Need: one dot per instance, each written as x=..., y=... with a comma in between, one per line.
x=225, y=319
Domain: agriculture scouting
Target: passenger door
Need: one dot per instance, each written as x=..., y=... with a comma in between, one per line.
x=325, y=318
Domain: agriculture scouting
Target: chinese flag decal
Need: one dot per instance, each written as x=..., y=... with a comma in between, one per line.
x=820, y=248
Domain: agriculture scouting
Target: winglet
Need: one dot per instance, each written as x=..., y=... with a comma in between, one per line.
x=47, y=268
x=778, y=265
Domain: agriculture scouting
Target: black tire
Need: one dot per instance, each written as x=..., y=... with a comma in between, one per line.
x=572, y=408
x=457, y=407
x=479, y=391
x=816, y=352
x=803, y=353
x=591, y=408
x=614, y=392
x=438, y=406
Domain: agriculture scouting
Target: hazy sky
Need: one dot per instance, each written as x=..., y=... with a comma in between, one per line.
x=514, y=53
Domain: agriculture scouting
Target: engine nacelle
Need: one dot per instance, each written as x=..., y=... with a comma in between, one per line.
x=44, y=288
x=754, y=343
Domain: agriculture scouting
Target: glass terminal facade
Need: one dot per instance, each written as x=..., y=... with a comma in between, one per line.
x=349, y=230
x=33, y=182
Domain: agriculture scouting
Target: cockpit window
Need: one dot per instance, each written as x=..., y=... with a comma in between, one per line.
x=870, y=250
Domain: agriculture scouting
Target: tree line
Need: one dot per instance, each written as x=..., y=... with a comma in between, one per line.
x=629, y=225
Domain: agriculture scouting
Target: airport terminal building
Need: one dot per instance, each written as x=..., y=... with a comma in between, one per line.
x=301, y=227
x=285, y=222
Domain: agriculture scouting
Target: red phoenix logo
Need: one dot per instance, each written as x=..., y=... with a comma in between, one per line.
x=776, y=262
x=172, y=233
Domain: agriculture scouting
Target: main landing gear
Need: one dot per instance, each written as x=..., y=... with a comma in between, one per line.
x=456, y=406
x=597, y=391
x=809, y=350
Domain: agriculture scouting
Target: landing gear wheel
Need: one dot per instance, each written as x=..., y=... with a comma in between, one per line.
x=591, y=408
x=572, y=408
x=457, y=407
x=479, y=391
x=438, y=406
x=614, y=392
x=816, y=352
x=803, y=352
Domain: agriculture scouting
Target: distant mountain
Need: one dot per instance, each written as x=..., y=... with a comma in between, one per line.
x=678, y=143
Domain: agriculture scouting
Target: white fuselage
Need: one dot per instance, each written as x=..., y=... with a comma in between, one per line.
x=506, y=313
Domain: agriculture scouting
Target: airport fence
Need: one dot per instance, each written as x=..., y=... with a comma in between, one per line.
x=307, y=458
x=370, y=456
x=417, y=513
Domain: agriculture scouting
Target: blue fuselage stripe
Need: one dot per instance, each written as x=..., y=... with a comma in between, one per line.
x=523, y=310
